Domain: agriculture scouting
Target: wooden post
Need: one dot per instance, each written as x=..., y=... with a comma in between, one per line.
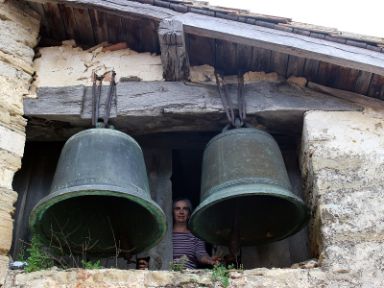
x=159, y=167
x=173, y=50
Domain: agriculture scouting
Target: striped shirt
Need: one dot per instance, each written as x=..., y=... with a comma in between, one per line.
x=185, y=243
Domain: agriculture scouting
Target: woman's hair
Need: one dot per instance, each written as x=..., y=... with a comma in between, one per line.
x=186, y=200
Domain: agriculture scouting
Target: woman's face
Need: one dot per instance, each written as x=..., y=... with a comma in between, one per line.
x=180, y=212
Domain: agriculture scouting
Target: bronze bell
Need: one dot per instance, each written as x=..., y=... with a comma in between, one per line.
x=246, y=196
x=99, y=200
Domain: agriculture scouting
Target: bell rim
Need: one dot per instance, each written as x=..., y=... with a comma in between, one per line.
x=242, y=130
x=51, y=199
x=248, y=190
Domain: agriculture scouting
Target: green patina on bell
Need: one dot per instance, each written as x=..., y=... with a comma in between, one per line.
x=100, y=200
x=245, y=192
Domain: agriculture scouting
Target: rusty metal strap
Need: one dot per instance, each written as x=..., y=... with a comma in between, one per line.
x=225, y=99
x=96, y=95
x=239, y=120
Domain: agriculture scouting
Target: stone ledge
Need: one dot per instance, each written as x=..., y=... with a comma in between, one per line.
x=287, y=278
x=191, y=278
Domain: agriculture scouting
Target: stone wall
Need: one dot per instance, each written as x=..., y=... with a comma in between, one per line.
x=342, y=161
x=19, y=28
x=343, y=164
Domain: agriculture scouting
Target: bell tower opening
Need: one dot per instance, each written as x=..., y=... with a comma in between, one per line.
x=174, y=166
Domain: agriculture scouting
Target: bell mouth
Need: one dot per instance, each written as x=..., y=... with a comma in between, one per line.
x=98, y=222
x=253, y=213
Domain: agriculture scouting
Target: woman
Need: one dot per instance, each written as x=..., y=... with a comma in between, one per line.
x=188, y=250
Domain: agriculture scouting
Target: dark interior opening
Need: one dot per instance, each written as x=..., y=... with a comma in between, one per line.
x=186, y=174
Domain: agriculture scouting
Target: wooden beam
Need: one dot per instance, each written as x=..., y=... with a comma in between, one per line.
x=118, y=7
x=149, y=107
x=371, y=105
x=283, y=42
x=173, y=50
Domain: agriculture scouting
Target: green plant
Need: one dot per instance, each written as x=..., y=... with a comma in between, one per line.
x=178, y=264
x=21, y=255
x=91, y=264
x=220, y=273
x=39, y=257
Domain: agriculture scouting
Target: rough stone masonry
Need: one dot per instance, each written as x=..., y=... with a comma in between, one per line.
x=19, y=30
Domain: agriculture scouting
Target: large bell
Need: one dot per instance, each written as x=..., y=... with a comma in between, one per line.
x=246, y=196
x=99, y=201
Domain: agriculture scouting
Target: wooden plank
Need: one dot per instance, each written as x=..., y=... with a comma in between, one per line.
x=83, y=29
x=346, y=78
x=336, y=76
x=295, y=66
x=114, y=28
x=196, y=43
x=279, y=62
x=174, y=55
x=363, y=81
x=284, y=42
x=311, y=68
x=244, y=58
x=131, y=33
x=99, y=25
x=119, y=7
x=376, y=89
x=149, y=36
x=326, y=74
x=226, y=60
x=261, y=60
x=148, y=107
x=68, y=21
x=52, y=13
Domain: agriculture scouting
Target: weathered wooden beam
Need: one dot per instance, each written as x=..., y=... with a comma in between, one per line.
x=149, y=107
x=118, y=7
x=174, y=55
x=284, y=42
x=370, y=104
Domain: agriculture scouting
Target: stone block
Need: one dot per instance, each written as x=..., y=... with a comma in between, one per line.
x=12, y=141
x=8, y=198
x=20, y=13
x=10, y=72
x=81, y=278
x=345, y=155
x=4, y=260
x=11, y=121
x=11, y=94
x=177, y=279
x=10, y=160
x=6, y=177
x=352, y=216
x=363, y=262
x=282, y=278
x=16, y=33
